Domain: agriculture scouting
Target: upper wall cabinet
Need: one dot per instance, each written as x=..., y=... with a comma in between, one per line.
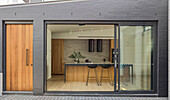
x=99, y=45
x=91, y=45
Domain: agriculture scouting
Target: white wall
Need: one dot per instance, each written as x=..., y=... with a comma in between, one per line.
x=48, y=54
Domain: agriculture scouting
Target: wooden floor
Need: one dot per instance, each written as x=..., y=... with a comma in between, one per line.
x=56, y=83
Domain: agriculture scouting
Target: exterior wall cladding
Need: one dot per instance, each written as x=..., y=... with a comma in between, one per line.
x=94, y=10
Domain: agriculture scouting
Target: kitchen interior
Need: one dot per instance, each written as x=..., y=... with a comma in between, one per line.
x=71, y=48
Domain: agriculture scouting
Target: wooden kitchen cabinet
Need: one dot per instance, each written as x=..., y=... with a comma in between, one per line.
x=57, y=56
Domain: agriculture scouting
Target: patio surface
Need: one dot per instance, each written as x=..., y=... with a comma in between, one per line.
x=30, y=97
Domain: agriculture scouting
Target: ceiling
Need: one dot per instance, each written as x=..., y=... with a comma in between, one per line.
x=74, y=28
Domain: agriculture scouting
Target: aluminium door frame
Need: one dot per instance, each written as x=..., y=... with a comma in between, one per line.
x=30, y=22
x=108, y=22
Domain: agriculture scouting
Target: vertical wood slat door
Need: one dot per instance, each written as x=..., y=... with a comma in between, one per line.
x=19, y=57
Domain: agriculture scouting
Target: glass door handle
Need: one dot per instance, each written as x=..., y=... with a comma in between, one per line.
x=26, y=57
x=115, y=63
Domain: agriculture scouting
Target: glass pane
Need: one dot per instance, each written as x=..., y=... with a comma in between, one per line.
x=71, y=48
x=136, y=57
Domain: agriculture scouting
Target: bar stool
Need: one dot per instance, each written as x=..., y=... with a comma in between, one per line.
x=106, y=66
x=92, y=66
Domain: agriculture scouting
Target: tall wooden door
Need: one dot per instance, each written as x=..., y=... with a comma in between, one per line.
x=19, y=57
x=57, y=56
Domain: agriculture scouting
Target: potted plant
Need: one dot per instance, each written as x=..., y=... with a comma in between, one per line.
x=76, y=56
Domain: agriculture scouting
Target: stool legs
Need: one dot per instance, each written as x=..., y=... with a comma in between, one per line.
x=94, y=77
x=101, y=77
x=88, y=76
x=109, y=76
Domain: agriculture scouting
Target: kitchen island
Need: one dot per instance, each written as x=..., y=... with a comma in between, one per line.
x=78, y=71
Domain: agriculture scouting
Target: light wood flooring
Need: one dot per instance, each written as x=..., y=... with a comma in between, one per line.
x=56, y=83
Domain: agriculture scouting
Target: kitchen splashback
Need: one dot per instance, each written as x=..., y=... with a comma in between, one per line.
x=71, y=45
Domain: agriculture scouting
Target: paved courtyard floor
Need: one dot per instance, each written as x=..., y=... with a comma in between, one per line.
x=29, y=97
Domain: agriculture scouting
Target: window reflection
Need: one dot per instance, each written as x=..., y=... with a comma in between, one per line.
x=136, y=57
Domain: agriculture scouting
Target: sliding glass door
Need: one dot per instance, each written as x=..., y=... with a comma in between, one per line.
x=136, y=58
x=127, y=48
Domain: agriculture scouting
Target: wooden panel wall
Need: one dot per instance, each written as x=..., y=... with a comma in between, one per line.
x=19, y=77
x=57, y=56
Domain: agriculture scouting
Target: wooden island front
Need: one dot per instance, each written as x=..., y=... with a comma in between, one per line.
x=79, y=73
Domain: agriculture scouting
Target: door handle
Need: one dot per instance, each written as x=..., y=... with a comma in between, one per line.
x=115, y=63
x=26, y=57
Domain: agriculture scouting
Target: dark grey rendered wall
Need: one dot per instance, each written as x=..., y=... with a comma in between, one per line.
x=121, y=10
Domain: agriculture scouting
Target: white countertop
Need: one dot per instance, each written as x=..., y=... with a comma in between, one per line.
x=89, y=63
